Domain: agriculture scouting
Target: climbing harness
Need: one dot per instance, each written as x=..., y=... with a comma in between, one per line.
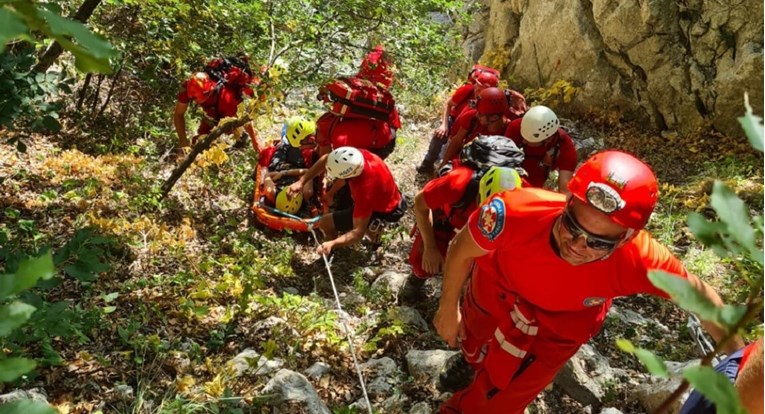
x=342, y=320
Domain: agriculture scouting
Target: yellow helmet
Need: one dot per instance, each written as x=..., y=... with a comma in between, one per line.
x=496, y=180
x=288, y=204
x=298, y=129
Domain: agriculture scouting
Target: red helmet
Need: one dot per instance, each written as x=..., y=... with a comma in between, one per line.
x=198, y=86
x=619, y=185
x=491, y=101
x=487, y=79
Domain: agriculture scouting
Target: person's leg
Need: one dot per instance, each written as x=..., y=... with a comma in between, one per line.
x=432, y=155
x=538, y=370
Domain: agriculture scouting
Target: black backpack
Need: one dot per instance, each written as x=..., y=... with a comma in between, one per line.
x=484, y=152
x=229, y=70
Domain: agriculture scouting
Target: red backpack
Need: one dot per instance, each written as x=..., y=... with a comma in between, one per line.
x=375, y=67
x=477, y=69
x=354, y=97
x=232, y=71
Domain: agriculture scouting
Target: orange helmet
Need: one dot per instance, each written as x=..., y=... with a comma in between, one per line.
x=199, y=86
x=491, y=101
x=619, y=185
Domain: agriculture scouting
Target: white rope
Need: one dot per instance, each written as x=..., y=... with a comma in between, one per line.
x=345, y=327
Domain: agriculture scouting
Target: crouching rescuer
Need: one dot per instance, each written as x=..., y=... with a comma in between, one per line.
x=376, y=199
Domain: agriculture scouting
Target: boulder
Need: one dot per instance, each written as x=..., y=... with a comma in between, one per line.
x=426, y=365
x=292, y=387
x=585, y=376
x=317, y=370
x=677, y=65
x=382, y=376
x=390, y=281
x=252, y=363
x=421, y=408
x=652, y=393
x=37, y=394
x=411, y=317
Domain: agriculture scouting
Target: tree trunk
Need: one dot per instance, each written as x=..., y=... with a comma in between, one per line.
x=54, y=50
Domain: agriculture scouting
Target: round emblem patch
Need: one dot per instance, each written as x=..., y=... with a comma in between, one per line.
x=594, y=301
x=492, y=219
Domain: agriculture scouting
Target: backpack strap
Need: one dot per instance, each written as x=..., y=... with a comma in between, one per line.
x=465, y=99
x=470, y=193
x=556, y=151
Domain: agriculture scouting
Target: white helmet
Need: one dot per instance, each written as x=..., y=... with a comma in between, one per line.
x=345, y=162
x=538, y=124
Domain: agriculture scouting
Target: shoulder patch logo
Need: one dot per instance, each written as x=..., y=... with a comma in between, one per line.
x=491, y=221
x=594, y=301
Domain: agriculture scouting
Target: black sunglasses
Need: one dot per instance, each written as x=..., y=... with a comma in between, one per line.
x=593, y=242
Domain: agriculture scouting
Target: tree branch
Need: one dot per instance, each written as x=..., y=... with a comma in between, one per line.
x=201, y=146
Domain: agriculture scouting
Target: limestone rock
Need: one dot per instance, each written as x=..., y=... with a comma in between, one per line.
x=410, y=316
x=390, y=281
x=290, y=386
x=426, y=365
x=382, y=376
x=676, y=65
x=421, y=408
x=652, y=393
x=37, y=394
x=317, y=370
x=586, y=376
x=252, y=363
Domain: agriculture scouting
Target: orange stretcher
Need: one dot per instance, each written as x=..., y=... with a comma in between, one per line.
x=276, y=219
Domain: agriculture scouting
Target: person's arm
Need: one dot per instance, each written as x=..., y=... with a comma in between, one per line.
x=455, y=143
x=179, y=121
x=324, y=149
x=714, y=331
x=355, y=235
x=459, y=258
x=309, y=175
x=563, y=178
x=749, y=383
x=442, y=131
x=431, y=257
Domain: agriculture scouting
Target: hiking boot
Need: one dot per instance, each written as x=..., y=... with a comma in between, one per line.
x=412, y=290
x=425, y=168
x=455, y=375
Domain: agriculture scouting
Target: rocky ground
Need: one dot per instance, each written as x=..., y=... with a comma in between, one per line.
x=180, y=272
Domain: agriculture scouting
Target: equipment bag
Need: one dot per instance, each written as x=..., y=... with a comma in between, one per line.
x=230, y=70
x=484, y=152
x=478, y=69
x=358, y=98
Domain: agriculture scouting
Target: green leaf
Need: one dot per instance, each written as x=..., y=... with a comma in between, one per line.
x=734, y=213
x=11, y=27
x=78, y=272
x=27, y=407
x=50, y=123
x=14, y=315
x=12, y=368
x=690, y=299
x=752, y=125
x=94, y=44
x=653, y=363
x=28, y=273
x=716, y=387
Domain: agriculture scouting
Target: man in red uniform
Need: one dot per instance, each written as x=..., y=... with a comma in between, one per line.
x=442, y=207
x=453, y=107
x=373, y=135
x=376, y=197
x=547, y=147
x=216, y=100
x=545, y=270
x=488, y=118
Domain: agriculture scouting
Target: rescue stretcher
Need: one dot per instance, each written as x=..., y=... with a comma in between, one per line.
x=276, y=219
